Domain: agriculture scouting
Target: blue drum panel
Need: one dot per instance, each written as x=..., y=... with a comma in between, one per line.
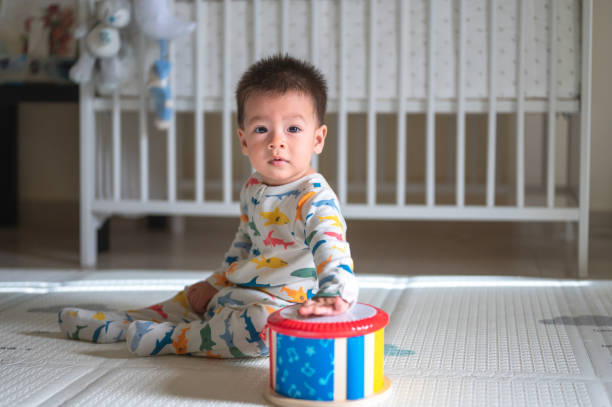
x=305, y=367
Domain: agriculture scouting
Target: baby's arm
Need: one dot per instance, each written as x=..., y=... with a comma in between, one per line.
x=325, y=231
x=200, y=293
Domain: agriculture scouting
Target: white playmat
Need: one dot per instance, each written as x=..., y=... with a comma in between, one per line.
x=452, y=341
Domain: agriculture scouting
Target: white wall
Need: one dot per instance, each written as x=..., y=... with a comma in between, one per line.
x=48, y=155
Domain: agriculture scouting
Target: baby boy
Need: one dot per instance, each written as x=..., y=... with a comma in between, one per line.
x=290, y=246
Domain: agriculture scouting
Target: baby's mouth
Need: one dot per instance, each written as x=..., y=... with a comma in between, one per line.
x=277, y=161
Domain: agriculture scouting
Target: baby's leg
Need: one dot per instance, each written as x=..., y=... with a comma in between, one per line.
x=230, y=329
x=94, y=326
x=111, y=326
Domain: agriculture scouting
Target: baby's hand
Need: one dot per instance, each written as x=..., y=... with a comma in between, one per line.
x=323, y=306
x=199, y=295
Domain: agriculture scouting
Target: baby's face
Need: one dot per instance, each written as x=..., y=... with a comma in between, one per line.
x=280, y=134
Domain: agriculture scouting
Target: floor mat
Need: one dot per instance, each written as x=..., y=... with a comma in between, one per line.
x=452, y=341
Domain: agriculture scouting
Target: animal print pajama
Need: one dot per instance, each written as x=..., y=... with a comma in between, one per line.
x=290, y=246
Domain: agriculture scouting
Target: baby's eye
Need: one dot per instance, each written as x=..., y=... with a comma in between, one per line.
x=293, y=129
x=260, y=129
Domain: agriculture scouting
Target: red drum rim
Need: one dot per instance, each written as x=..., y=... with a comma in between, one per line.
x=325, y=327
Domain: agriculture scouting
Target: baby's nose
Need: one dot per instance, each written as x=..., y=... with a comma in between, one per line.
x=272, y=146
x=276, y=141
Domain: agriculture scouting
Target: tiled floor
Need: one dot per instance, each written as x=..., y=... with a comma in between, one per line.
x=48, y=238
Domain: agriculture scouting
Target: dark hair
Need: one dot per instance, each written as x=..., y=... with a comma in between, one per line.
x=279, y=74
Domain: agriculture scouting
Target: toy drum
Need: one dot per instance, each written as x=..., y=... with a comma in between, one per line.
x=329, y=358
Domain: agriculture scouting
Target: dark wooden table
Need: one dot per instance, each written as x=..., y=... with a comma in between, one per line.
x=11, y=95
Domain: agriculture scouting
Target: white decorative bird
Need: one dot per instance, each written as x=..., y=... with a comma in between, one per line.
x=156, y=20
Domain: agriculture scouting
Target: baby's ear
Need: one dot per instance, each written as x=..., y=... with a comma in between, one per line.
x=319, y=140
x=243, y=143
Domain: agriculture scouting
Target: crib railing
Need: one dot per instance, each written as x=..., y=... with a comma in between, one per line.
x=95, y=207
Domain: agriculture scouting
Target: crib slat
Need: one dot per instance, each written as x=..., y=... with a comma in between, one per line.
x=552, y=105
x=256, y=25
x=284, y=40
x=314, y=52
x=227, y=103
x=116, y=114
x=102, y=170
x=199, y=72
x=314, y=29
x=371, y=177
x=492, y=116
x=143, y=124
x=431, y=114
x=520, y=112
x=460, y=172
x=342, y=111
x=171, y=133
x=403, y=20
x=88, y=154
x=585, y=137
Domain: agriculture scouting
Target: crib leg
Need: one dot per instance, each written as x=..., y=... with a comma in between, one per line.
x=177, y=225
x=89, y=222
x=583, y=247
x=89, y=239
x=103, y=236
x=157, y=222
x=95, y=237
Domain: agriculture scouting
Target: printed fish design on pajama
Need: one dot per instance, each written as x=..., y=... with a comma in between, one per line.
x=275, y=217
x=160, y=344
x=142, y=328
x=254, y=336
x=298, y=295
x=181, y=298
x=98, y=330
x=160, y=310
x=206, y=342
x=272, y=262
x=180, y=344
x=75, y=335
x=272, y=241
x=100, y=316
x=228, y=337
x=227, y=300
x=294, y=192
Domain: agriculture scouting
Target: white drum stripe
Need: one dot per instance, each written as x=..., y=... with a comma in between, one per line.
x=274, y=357
x=368, y=364
x=340, y=369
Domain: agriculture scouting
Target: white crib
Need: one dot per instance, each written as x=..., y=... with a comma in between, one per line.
x=391, y=65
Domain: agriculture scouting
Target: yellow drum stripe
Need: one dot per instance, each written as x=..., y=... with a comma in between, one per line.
x=379, y=354
x=273, y=358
